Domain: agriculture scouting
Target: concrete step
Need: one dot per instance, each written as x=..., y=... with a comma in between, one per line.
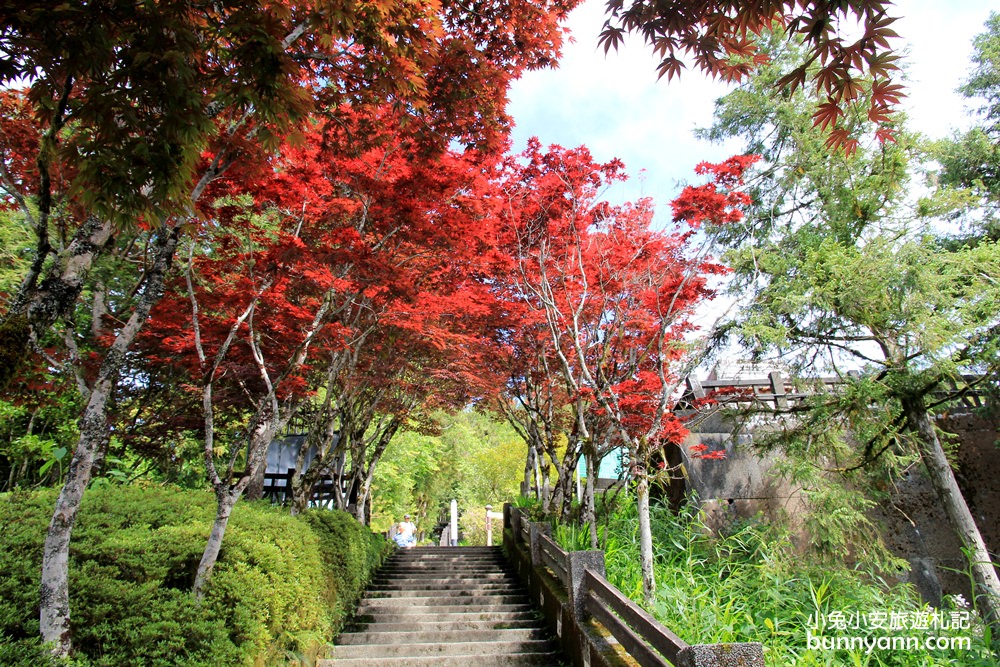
x=445, y=558
x=444, y=570
x=494, y=574
x=434, y=624
x=444, y=565
x=370, y=651
x=441, y=591
x=379, y=635
x=550, y=659
x=448, y=571
x=444, y=554
x=381, y=612
x=445, y=600
x=444, y=562
x=445, y=585
x=453, y=554
x=448, y=607
x=457, y=558
x=452, y=550
x=522, y=613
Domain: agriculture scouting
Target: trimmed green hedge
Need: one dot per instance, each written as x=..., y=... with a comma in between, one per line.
x=282, y=588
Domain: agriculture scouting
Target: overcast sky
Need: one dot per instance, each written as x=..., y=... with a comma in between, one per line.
x=615, y=106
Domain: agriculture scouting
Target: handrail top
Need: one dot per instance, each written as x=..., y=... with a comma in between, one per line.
x=553, y=545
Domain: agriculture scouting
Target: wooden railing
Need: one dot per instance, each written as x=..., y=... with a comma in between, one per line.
x=573, y=593
x=641, y=634
x=554, y=558
x=777, y=393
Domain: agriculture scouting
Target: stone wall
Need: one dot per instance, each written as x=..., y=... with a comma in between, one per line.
x=914, y=525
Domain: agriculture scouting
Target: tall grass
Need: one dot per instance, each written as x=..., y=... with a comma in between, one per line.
x=751, y=584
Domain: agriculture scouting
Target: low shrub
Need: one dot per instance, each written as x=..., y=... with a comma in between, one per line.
x=281, y=588
x=351, y=554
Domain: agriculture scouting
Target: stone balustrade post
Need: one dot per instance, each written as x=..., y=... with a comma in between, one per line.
x=491, y=516
x=577, y=562
x=489, y=525
x=536, y=529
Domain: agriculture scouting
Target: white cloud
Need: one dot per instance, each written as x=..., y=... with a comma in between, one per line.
x=939, y=38
x=615, y=106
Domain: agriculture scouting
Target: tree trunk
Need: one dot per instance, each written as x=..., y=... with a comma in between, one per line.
x=301, y=491
x=226, y=499
x=529, y=470
x=324, y=437
x=562, y=499
x=590, y=511
x=340, y=492
x=268, y=423
x=538, y=476
x=942, y=478
x=645, y=538
x=54, y=612
x=359, y=504
x=255, y=489
x=368, y=476
x=546, y=492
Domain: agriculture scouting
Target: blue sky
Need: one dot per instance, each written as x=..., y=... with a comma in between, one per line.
x=615, y=106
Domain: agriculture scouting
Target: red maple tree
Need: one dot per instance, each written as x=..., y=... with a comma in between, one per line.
x=145, y=111
x=614, y=296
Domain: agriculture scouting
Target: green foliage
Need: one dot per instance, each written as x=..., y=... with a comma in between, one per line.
x=37, y=438
x=413, y=477
x=16, y=246
x=351, y=554
x=984, y=81
x=835, y=269
x=572, y=536
x=14, y=334
x=281, y=586
x=531, y=506
x=751, y=584
x=967, y=184
x=474, y=459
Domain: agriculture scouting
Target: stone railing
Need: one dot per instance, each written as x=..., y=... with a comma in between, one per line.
x=595, y=623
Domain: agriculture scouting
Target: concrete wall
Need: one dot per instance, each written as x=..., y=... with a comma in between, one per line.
x=914, y=525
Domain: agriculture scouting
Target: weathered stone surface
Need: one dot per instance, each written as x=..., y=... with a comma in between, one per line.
x=722, y=655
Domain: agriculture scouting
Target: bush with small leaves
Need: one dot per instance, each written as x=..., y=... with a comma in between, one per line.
x=283, y=585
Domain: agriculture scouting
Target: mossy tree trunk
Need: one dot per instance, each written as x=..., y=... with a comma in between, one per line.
x=54, y=612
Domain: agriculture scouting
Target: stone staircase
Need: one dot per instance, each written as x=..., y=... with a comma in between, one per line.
x=446, y=606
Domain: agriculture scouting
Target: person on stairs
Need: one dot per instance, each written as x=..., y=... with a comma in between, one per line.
x=406, y=533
